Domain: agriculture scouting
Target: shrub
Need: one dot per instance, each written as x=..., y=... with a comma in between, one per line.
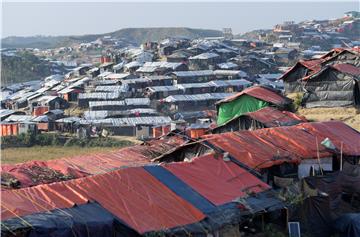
x=31, y=139
x=298, y=100
x=49, y=139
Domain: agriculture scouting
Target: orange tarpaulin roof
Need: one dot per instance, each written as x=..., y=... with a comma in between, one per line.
x=337, y=132
x=218, y=181
x=74, y=167
x=267, y=147
x=131, y=194
x=40, y=172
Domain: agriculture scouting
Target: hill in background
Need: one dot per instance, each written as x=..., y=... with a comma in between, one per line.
x=133, y=35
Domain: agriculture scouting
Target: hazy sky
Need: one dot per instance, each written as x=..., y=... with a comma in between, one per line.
x=67, y=18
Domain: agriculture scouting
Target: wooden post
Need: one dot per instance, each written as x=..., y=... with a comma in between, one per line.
x=341, y=156
x=318, y=155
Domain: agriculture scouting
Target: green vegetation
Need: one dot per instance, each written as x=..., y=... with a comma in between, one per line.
x=48, y=146
x=51, y=139
x=97, y=142
x=132, y=35
x=140, y=35
x=30, y=139
x=23, y=154
x=298, y=100
x=23, y=67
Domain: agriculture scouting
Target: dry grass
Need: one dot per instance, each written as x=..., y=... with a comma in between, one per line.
x=23, y=154
x=350, y=116
x=127, y=138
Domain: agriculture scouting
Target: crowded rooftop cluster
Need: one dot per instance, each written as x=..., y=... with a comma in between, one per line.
x=223, y=151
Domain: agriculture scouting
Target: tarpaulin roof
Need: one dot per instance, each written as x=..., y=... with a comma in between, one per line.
x=261, y=93
x=83, y=220
x=180, y=188
x=131, y=194
x=314, y=65
x=347, y=68
x=273, y=117
x=40, y=172
x=217, y=180
x=343, y=68
x=267, y=147
x=337, y=132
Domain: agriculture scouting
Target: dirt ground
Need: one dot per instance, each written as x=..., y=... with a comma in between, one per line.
x=23, y=154
x=350, y=116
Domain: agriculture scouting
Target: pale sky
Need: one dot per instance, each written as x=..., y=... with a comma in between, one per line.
x=68, y=18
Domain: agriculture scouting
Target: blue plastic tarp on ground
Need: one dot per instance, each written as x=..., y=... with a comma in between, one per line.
x=220, y=216
x=180, y=188
x=348, y=225
x=89, y=219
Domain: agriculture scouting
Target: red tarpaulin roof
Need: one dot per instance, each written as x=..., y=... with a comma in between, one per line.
x=218, y=181
x=28, y=173
x=131, y=194
x=266, y=147
x=76, y=167
x=337, y=132
x=261, y=93
x=273, y=117
x=249, y=149
x=347, y=68
x=314, y=65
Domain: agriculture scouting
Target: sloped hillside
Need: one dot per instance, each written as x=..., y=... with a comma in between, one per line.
x=23, y=67
x=351, y=115
x=133, y=35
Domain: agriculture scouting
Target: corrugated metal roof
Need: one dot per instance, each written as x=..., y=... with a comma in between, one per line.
x=99, y=95
x=106, y=103
x=66, y=90
x=117, y=75
x=163, y=88
x=80, y=82
x=204, y=56
x=106, y=82
x=197, y=97
x=225, y=83
x=153, y=66
x=41, y=118
x=193, y=73
x=102, y=114
x=127, y=101
x=238, y=73
x=46, y=98
x=160, y=77
x=6, y=112
x=131, y=121
x=19, y=118
x=137, y=101
x=193, y=85
x=119, y=88
x=133, y=64
x=136, y=80
x=227, y=65
x=68, y=120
